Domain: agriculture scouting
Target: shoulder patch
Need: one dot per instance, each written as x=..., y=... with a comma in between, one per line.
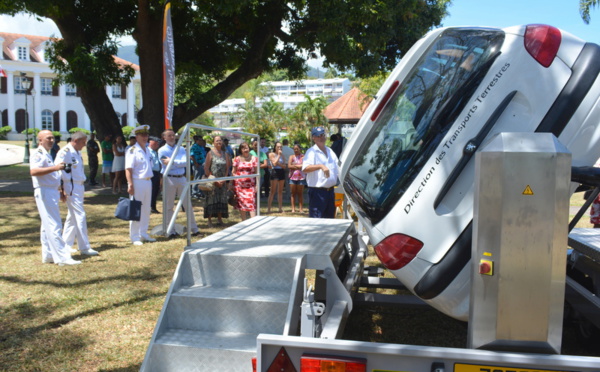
x=131, y=150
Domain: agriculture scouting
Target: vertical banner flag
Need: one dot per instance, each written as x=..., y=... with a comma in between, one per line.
x=2, y=72
x=168, y=66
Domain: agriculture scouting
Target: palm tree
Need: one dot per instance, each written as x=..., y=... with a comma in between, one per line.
x=584, y=9
x=306, y=115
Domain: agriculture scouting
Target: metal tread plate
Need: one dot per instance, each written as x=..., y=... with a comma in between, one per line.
x=586, y=241
x=234, y=293
x=284, y=237
x=209, y=340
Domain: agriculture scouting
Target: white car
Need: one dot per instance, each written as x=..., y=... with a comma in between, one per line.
x=408, y=168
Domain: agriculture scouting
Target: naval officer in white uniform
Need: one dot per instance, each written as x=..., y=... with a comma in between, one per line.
x=138, y=171
x=46, y=184
x=76, y=222
x=175, y=181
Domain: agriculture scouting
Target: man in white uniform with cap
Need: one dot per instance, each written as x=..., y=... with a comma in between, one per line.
x=175, y=181
x=73, y=179
x=138, y=171
x=46, y=184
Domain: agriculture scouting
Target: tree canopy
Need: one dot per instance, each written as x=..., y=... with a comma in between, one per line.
x=221, y=44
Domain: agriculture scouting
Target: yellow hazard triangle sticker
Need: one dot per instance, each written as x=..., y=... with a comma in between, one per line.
x=528, y=191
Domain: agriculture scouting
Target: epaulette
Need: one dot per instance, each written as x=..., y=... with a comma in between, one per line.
x=40, y=150
x=131, y=150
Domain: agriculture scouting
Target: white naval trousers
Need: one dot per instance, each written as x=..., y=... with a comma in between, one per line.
x=174, y=187
x=76, y=222
x=53, y=246
x=142, y=191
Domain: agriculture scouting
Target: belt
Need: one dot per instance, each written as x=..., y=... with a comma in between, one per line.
x=144, y=179
x=324, y=188
x=78, y=182
x=177, y=176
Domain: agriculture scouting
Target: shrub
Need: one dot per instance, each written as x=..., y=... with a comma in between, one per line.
x=4, y=131
x=127, y=131
x=83, y=130
x=31, y=131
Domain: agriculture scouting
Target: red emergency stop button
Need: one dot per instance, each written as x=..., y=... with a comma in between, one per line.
x=486, y=267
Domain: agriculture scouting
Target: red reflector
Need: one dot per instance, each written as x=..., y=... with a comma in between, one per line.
x=542, y=42
x=397, y=250
x=317, y=363
x=385, y=99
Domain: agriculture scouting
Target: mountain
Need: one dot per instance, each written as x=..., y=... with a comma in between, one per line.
x=128, y=53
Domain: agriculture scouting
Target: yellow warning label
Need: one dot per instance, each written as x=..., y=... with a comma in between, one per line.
x=528, y=191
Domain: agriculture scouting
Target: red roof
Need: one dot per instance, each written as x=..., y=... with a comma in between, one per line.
x=349, y=108
x=9, y=38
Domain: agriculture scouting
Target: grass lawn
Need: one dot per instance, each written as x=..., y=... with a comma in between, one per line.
x=100, y=315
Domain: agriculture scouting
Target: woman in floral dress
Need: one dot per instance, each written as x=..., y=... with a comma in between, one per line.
x=217, y=163
x=245, y=188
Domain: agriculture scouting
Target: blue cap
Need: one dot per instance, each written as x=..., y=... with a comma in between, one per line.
x=318, y=131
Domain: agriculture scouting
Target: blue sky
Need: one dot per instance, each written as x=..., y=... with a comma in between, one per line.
x=563, y=14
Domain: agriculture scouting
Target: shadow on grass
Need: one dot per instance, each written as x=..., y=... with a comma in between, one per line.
x=146, y=275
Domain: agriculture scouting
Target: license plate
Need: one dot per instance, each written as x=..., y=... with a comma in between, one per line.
x=482, y=368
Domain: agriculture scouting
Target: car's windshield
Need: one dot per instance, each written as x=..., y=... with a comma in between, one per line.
x=418, y=116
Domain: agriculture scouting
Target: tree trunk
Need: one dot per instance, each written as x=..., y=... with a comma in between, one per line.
x=94, y=99
x=149, y=39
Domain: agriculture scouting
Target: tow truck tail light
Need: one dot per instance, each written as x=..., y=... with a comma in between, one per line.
x=385, y=100
x=542, y=42
x=397, y=250
x=318, y=363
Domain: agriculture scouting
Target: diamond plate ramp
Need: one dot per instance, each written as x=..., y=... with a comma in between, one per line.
x=232, y=286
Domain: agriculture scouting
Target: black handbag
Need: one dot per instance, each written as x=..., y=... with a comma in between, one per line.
x=128, y=209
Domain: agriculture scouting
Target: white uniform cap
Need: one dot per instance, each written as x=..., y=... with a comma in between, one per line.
x=141, y=129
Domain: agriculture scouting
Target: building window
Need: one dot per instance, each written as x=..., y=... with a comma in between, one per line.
x=116, y=91
x=71, y=90
x=19, y=85
x=47, y=120
x=22, y=53
x=46, y=86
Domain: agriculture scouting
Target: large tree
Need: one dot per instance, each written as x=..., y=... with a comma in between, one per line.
x=221, y=44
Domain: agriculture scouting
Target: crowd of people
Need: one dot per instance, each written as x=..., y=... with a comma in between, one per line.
x=140, y=169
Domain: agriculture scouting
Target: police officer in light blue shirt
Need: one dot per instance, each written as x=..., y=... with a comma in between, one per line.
x=175, y=181
x=321, y=167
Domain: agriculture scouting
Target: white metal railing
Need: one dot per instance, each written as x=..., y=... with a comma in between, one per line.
x=185, y=138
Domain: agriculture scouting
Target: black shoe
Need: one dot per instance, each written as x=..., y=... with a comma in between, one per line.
x=173, y=236
x=154, y=211
x=197, y=233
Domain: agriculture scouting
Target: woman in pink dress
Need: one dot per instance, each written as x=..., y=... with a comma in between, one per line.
x=245, y=188
x=297, y=178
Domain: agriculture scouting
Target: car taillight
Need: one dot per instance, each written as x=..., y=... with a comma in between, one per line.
x=384, y=100
x=317, y=363
x=397, y=250
x=542, y=42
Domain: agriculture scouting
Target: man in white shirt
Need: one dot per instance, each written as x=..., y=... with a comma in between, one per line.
x=175, y=181
x=321, y=167
x=138, y=171
x=46, y=184
x=73, y=179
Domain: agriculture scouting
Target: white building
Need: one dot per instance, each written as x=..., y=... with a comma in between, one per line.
x=288, y=93
x=48, y=107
